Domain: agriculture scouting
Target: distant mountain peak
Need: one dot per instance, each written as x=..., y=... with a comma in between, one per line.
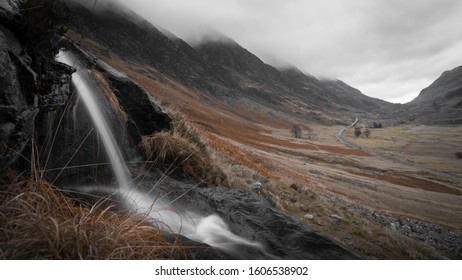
x=441, y=102
x=216, y=37
x=449, y=81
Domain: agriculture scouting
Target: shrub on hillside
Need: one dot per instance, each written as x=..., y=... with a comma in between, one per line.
x=296, y=131
x=377, y=125
x=367, y=132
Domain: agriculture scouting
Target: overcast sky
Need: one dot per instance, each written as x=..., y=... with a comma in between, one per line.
x=389, y=49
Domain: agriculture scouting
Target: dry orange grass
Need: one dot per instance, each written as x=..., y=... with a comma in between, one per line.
x=38, y=222
x=102, y=82
x=173, y=150
x=237, y=154
x=169, y=149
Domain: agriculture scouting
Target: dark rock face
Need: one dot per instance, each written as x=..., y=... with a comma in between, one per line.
x=251, y=216
x=9, y=12
x=59, y=81
x=143, y=110
x=146, y=114
x=23, y=99
x=18, y=101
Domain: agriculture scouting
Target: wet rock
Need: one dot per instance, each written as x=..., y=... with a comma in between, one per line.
x=139, y=105
x=9, y=12
x=59, y=79
x=18, y=101
x=251, y=216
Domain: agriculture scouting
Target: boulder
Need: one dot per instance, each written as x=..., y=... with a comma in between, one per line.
x=143, y=110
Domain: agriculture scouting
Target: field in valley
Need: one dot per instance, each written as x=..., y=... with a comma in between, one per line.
x=433, y=147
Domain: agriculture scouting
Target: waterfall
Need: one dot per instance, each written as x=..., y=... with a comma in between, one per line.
x=211, y=229
x=81, y=79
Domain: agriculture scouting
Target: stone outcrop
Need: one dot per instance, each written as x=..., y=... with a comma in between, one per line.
x=18, y=101
x=143, y=110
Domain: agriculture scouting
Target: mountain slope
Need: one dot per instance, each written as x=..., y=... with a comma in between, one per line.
x=135, y=40
x=441, y=102
x=255, y=77
x=224, y=69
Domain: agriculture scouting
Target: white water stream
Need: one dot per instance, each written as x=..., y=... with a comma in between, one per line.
x=210, y=229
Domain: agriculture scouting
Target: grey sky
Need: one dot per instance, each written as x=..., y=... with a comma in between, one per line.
x=390, y=49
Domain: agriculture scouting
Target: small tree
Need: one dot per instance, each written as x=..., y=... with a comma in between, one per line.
x=367, y=132
x=296, y=131
x=377, y=125
x=311, y=135
x=357, y=131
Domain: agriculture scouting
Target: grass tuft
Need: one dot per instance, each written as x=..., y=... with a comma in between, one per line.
x=173, y=150
x=182, y=147
x=39, y=222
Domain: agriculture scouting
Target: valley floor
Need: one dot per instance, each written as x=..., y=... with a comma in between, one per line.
x=361, y=199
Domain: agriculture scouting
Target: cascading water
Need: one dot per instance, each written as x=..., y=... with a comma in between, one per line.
x=84, y=88
x=211, y=229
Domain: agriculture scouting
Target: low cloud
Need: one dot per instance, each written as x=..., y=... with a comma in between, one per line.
x=385, y=48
